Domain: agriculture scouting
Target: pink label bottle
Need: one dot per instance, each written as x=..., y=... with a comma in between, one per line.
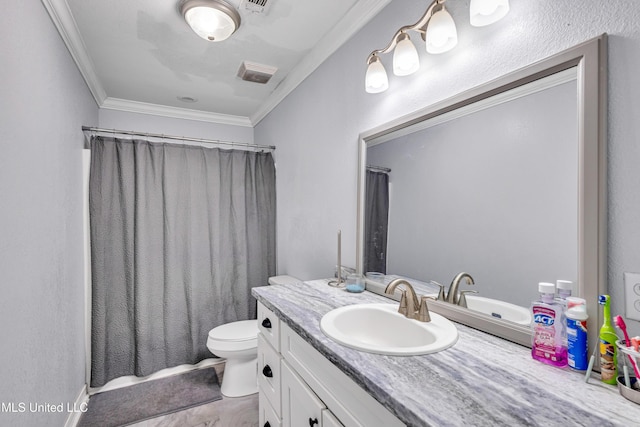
x=548, y=344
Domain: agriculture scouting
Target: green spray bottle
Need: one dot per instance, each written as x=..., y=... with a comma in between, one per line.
x=608, y=349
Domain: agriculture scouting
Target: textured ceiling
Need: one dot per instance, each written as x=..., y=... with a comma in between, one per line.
x=141, y=55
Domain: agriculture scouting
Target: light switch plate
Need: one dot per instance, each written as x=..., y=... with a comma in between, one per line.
x=632, y=295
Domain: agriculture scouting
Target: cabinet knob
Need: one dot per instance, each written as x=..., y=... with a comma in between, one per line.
x=267, y=424
x=267, y=372
x=266, y=323
x=312, y=422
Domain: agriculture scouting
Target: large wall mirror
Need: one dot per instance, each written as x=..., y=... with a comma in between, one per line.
x=505, y=182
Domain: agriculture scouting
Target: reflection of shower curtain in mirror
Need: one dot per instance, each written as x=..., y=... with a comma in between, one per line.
x=376, y=221
x=179, y=236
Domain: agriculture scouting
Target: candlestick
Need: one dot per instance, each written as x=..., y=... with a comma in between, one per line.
x=339, y=282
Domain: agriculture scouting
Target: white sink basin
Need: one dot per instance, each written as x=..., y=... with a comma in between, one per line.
x=499, y=309
x=379, y=328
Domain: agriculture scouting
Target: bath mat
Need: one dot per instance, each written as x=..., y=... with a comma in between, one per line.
x=151, y=399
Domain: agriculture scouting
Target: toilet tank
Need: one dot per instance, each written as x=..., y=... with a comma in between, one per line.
x=283, y=280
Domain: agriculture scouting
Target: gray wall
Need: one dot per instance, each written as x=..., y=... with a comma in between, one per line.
x=43, y=104
x=316, y=127
x=493, y=193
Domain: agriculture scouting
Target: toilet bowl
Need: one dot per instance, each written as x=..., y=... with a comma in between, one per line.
x=238, y=343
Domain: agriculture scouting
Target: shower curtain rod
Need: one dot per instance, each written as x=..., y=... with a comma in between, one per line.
x=177, y=138
x=378, y=169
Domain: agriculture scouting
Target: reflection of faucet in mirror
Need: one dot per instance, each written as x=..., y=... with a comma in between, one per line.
x=409, y=305
x=441, y=295
x=452, y=295
x=462, y=300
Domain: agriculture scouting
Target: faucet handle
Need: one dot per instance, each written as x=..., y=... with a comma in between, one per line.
x=403, y=303
x=423, y=312
x=441, y=296
x=462, y=300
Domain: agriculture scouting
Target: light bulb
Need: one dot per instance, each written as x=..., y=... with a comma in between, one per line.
x=405, y=57
x=486, y=12
x=441, y=32
x=213, y=20
x=376, y=80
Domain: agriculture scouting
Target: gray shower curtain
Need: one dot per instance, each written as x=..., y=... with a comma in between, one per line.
x=179, y=236
x=376, y=221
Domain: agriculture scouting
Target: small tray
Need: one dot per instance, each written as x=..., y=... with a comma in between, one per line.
x=629, y=393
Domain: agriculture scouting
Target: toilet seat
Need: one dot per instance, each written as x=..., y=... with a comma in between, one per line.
x=236, y=336
x=242, y=330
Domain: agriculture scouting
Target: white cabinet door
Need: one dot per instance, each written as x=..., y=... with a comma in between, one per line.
x=330, y=420
x=269, y=372
x=267, y=416
x=269, y=326
x=300, y=406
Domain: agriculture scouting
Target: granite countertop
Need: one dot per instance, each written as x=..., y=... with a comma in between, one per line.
x=481, y=381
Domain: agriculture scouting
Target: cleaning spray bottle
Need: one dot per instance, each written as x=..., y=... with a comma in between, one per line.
x=608, y=338
x=577, y=348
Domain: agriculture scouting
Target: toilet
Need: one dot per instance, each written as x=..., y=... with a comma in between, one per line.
x=238, y=343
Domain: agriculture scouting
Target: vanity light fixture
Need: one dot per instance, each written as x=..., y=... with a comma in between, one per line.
x=486, y=12
x=213, y=20
x=376, y=78
x=405, y=56
x=441, y=35
x=437, y=29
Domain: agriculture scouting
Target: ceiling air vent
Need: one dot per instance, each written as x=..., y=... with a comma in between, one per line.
x=257, y=73
x=257, y=6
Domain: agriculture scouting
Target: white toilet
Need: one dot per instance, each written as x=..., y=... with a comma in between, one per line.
x=238, y=343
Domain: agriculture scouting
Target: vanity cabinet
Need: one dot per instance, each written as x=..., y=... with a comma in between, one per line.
x=299, y=387
x=269, y=362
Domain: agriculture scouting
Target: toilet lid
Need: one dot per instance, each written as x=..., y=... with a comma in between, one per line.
x=242, y=330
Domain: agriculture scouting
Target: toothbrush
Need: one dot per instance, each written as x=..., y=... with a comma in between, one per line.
x=627, y=380
x=619, y=321
x=591, y=360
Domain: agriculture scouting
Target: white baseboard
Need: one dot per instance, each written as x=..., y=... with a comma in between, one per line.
x=79, y=405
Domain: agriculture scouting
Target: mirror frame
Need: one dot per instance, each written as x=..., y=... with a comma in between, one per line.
x=590, y=59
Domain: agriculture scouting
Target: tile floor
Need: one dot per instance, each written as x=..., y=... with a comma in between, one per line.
x=228, y=412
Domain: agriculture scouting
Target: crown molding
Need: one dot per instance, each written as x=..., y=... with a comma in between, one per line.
x=173, y=112
x=65, y=23
x=349, y=25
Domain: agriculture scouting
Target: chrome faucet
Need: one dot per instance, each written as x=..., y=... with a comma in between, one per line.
x=452, y=295
x=409, y=306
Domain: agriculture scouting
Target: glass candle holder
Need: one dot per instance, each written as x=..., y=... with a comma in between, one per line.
x=355, y=283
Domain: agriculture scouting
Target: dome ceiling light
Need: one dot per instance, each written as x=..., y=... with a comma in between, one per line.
x=438, y=30
x=213, y=20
